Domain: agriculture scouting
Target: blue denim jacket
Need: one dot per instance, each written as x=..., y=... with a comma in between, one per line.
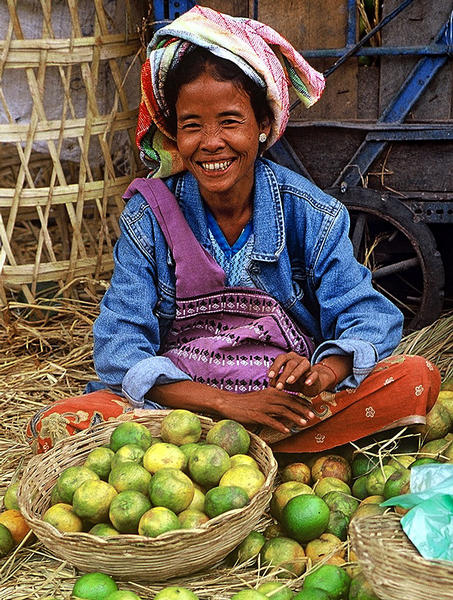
x=302, y=257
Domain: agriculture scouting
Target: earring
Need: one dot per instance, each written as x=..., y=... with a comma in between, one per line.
x=262, y=137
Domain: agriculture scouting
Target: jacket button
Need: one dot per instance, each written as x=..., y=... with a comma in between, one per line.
x=255, y=269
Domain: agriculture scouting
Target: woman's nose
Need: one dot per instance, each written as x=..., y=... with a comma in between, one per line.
x=211, y=139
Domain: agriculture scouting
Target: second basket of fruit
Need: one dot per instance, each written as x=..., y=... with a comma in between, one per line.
x=161, y=495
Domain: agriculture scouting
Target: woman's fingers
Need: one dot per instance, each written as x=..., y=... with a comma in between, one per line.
x=286, y=369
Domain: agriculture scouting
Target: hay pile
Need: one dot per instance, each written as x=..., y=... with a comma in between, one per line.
x=47, y=355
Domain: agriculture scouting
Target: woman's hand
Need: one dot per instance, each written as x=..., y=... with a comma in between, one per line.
x=293, y=372
x=271, y=407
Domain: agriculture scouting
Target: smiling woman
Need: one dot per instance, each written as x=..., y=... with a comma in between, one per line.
x=236, y=292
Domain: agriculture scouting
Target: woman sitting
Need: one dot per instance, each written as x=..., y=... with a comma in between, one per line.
x=235, y=291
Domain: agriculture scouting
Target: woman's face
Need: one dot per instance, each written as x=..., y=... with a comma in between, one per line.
x=217, y=136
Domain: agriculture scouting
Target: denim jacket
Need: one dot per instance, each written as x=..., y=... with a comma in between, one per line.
x=302, y=257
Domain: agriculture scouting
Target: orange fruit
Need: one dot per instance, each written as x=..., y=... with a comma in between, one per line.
x=126, y=510
x=94, y=586
x=332, y=579
x=180, y=426
x=92, y=500
x=332, y=465
x=70, y=479
x=248, y=478
x=305, y=517
x=207, y=464
x=162, y=456
x=15, y=522
x=130, y=432
x=284, y=553
x=10, y=497
x=6, y=541
x=171, y=488
x=63, y=518
x=130, y=476
x=158, y=520
x=297, y=471
x=230, y=435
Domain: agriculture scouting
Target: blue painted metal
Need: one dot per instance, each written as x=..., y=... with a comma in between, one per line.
x=352, y=23
x=167, y=10
x=431, y=50
x=410, y=91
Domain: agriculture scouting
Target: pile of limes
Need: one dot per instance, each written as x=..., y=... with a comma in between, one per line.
x=13, y=527
x=140, y=484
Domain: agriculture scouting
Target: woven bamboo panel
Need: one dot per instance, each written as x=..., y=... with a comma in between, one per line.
x=69, y=94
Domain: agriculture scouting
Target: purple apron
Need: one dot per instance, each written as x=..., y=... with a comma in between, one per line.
x=226, y=337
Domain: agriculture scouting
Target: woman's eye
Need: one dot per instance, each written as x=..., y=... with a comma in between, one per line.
x=191, y=126
x=229, y=122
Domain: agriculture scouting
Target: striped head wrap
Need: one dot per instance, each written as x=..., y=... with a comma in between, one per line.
x=262, y=53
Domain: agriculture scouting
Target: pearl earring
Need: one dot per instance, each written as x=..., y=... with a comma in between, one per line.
x=262, y=137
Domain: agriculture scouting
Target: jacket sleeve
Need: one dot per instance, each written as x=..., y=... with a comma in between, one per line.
x=126, y=333
x=355, y=318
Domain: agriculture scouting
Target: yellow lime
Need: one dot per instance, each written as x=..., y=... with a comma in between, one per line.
x=360, y=589
x=207, y=464
x=326, y=544
x=188, y=449
x=359, y=487
x=312, y=594
x=377, y=478
x=63, y=518
x=305, y=517
x=332, y=465
x=243, y=459
x=396, y=482
x=191, y=519
x=163, y=456
x=130, y=476
x=130, y=433
x=55, y=495
x=92, y=500
x=249, y=548
x=126, y=510
x=123, y=595
x=297, y=471
x=274, y=530
x=340, y=501
x=222, y=499
x=197, y=500
x=70, y=479
x=6, y=541
x=99, y=460
x=10, y=497
x=332, y=579
x=94, y=586
x=283, y=494
x=329, y=484
x=248, y=478
x=174, y=592
x=403, y=461
x=338, y=524
x=128, y=453
x=230, y=435
x=171, y=488
x=180, y=426
x=158, y=520
x=275, y=590
x=103, y=530
x=249, y=595
x=284, y=554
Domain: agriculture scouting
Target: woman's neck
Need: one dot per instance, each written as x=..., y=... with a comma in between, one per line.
x=232, y=215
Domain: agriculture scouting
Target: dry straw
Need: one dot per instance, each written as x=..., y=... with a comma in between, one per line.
x=393, y=565
x=135, y=557
x=67, y=123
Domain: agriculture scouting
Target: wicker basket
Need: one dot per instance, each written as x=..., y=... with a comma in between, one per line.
x=393, y=565
x=135, y=557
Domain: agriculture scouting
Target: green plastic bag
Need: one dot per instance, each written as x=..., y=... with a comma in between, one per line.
x=429, y=522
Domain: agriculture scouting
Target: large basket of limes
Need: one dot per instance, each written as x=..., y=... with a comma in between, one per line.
x=139, y=499
x=393, y=565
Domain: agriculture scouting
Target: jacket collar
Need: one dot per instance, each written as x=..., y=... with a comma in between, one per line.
x=268, y=221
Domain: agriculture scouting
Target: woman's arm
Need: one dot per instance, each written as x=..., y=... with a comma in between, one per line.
x=264, y=407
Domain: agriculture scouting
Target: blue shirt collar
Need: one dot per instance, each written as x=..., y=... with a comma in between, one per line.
x=268, y=222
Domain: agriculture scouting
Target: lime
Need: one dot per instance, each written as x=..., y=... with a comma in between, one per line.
x=248, y=478
x=329, y=484
x=332, y=579
x=103, y=530
x=305, y=517
x=62, y=517
x=163, y=456
x=312, y=594
x=180, y=426
x=207, y=465
x=10, y=497
x=6, y=541
x=243, y=459
x=230, y=435
x=297, y=471
x=222, y=499
x=395, y=483
x=126, y=510
x=92, y=500
x=171, y=488
x=130, y=476
x=340, y=501
x=276, y=590
x=70, y=479
x=326, y=544
x=283, y=494
x=123, y=595
x=249, y=595
x=377, y=478
x=360, y=589
x=192, y=519
x=99, y=460
x=402, y=461
x=130, y=433
x=423, y=461
x=362, y=464
x=158, y=520
x=197, y=500
x=128, y=453
x=94, y=586
x=175, y=593
x=249, y=548
x=284, y=554
x=338, y=524
x=359, y=487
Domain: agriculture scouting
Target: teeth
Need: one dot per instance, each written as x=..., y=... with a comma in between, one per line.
x=216, y=166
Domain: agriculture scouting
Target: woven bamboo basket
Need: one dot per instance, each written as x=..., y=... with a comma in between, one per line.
x=135, y=557
x=70, y=73
x=393, y=565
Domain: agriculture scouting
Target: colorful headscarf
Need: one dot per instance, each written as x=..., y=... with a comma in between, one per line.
x=262, y=53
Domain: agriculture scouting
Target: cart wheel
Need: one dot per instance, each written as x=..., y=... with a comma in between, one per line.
x=401, y=253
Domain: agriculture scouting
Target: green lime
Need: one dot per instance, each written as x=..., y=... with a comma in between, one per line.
x=305, y=517
x=249, y=548
x=99, y=460
x=123, y=595
x=284, y=554
x=94, y=586
x=276, y=590
x=230, y=435
x=312, y=594
x=332, y=579
x=222, y=499
x=130, y=433
x=175, y=593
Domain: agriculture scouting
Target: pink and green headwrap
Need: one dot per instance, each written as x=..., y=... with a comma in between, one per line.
x=262, y=53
